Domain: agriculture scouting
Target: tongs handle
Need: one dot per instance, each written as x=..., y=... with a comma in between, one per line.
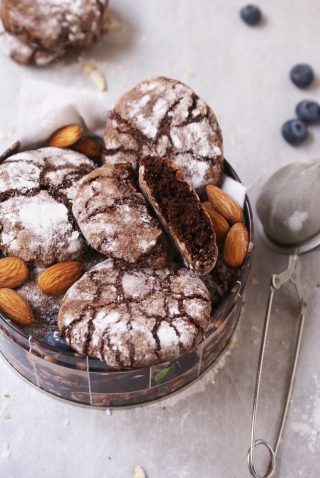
x=291, y=274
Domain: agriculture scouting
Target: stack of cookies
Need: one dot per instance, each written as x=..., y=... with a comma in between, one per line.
x=126, y=259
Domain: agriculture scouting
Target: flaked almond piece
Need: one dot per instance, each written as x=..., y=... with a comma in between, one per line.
x=15, y=307
x=236, y=245
x=91, y=70
x=66, y=136
x=89, y=147
x=224, y=204
x=13, y=272
x=220, y=224
x=57, y=279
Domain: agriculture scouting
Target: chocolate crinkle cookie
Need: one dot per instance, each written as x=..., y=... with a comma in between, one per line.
x=133, y=317
x=114, y=217
x=41, y=31
x=37, y=189
x=164, y=118
x=180, y=211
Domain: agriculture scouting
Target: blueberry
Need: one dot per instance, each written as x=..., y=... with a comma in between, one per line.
x=251, y=15
x=294, y=132
x=308, y=111
x=56, y=340
x=302, y=75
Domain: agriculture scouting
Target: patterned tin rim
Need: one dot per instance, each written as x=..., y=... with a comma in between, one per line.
x=135, y=405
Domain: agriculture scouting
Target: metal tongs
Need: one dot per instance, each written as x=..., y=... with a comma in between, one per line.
x=291, y=275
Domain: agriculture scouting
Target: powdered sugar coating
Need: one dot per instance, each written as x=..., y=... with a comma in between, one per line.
x=164, y=117
x=39, y=31
x=133, y=317
x=44, y=307
x=114, y=217
x=36, y=194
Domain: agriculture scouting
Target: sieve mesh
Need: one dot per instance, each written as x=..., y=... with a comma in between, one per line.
x=289, y=203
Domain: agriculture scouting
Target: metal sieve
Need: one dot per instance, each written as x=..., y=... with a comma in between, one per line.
x=288, y=210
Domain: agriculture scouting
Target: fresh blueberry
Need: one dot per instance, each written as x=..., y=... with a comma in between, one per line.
x=308, y=111
x=56, y=340
x=302, y=75
x=294, y=132
x=251, y=15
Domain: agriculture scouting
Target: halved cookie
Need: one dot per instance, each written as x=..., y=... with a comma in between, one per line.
x=180, y=211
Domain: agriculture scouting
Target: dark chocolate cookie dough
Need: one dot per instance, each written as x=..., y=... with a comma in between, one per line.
x=180, y=211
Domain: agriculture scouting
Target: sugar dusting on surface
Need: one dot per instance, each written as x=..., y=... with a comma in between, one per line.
x=42, y=215
x=308, y=427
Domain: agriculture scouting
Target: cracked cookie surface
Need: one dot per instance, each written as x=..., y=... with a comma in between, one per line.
x=37, y=189
x=114, y=217
x=163, y=117
x=39, y=32
x=132, y=317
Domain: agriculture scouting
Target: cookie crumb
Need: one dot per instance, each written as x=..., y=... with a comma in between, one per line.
x=66, y=422
x=233, y=345
x=7, y=416
x=6, y=394
x=138, y=472
x=113, y=25
x=234, y=139
x=96, y=76
x=108, y=412
x=190, y=71
x=6, y=452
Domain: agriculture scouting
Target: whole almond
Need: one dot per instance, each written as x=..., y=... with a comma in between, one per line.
x=89, y=147
x=224, y=204
x=220, y=224
x=57, y=279
x=236, y=245
x=13, y=272
x=66, y=136
x=15, y=307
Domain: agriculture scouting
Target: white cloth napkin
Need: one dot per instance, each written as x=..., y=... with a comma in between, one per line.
x=46, y=107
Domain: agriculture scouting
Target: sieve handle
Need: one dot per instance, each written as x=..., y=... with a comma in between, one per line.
x=291, y=275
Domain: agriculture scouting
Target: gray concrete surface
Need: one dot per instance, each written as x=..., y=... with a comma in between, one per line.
x=203, y=431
